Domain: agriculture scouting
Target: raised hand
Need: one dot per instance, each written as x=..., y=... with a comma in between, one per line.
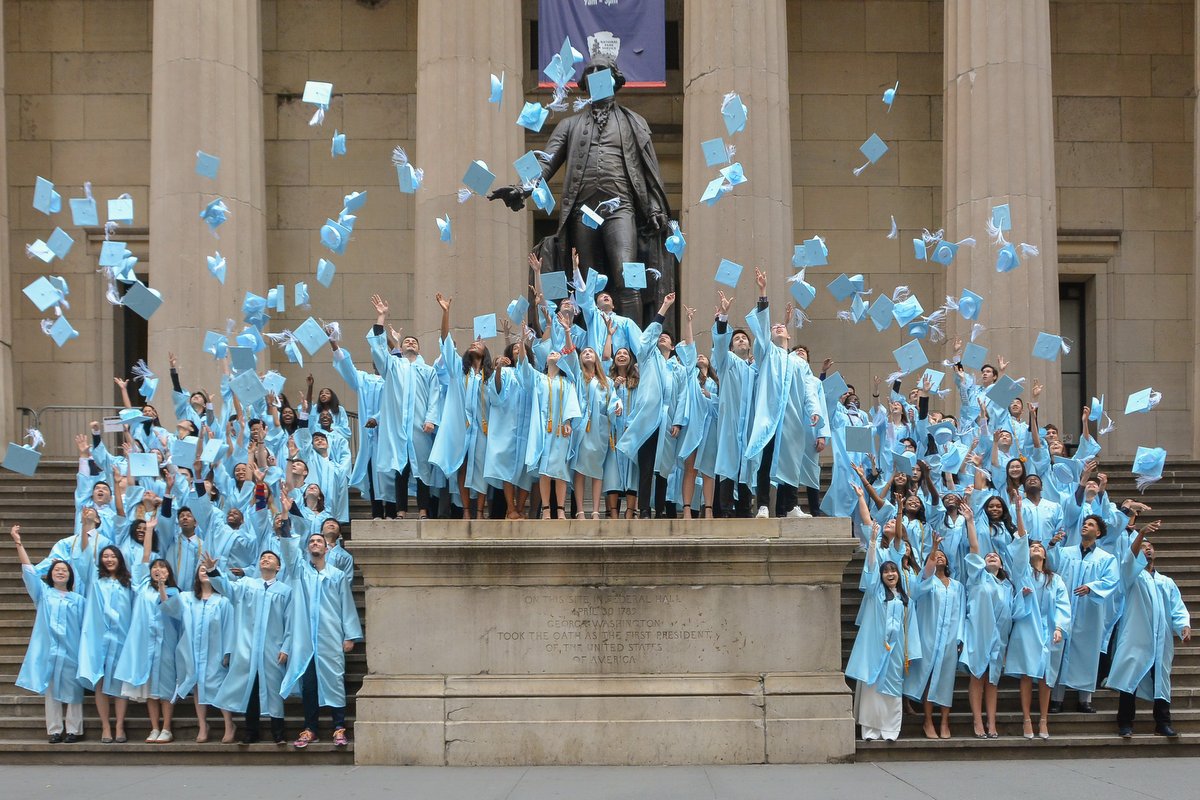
x=443, y=301
x=1037, y=388
x=81, y=442
x=172, y=360
x=827, y=365
x=15, y=533
x=1003, y=362
x=760, y=278
x=691, y=312
x=380, y=305
x=535, y=263
x=121, y=382
x=724, y=303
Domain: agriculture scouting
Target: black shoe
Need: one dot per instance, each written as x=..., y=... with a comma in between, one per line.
x=56, y=738
x=72, y=738
x=1055, y=708
x=1166, y=730
x=1085, y=708
x=280, y=739
x=1125, y=733
x=249, y=738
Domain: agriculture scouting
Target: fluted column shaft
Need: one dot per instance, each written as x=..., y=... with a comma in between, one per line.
x=206, y=95
x=737, y=46
x=1195, y=404
x=8, y=408
x=485, y=265
x=999, y=147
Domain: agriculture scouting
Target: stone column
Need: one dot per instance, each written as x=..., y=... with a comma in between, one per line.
x=484, y=266
x=206, y=95
x=1196, y=264
x=8, y=407
x=998, y=134
x=738, y=46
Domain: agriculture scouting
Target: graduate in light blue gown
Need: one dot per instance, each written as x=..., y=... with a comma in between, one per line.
x=105, y=629
x=195, y=407
x=695, y=420
x=1152, y=616
x=887, y=644
x=986, y=631
x=51, y=662
x=147, y=662
x=1091, y=576
x=620, y=471
x=205, y=646
x=553, y=412
x=593, y=436
x=379, y=486
x=1042, y=613
x=327, y=401
x=264, y=618
x=180, y=539
x=327, y=455
x=508, y=407
x=737, y=374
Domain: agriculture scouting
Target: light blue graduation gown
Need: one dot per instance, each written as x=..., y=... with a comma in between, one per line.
x=182, y=553
x=620, y=471
x=645, y=409
x=426, y=406
x=553, y=403
x=1042, y=519
x=888, y=635
x=666, y=455
x=988, y=621
x=734, y=407
x=504, y=456
x=264, y=619
x=53, y=652
x=1153, y=615
x=941, y=610
x=394, y=410
x=593, y=441
x=106, y=621
x=205, y=641
x=460, y=436
x=331, y=472
x=328, y=618
x=1031, y=648
x=148, y=657
x=369, y=389
x=1084, y=640
x=70, y=550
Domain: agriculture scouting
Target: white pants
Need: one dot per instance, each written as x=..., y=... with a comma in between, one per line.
x=54, y=714
x=1059, y=693
x=879, y=715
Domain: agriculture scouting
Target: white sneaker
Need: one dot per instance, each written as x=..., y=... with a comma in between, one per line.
x=153, y=737
x=762, y=513
x=799, y=513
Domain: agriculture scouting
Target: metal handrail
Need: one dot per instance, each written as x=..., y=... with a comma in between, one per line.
x=60, y=424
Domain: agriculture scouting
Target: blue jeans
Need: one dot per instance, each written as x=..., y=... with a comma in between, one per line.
x=309, y=695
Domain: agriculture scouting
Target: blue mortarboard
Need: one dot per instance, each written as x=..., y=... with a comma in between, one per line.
x=354, y=201
x=1148, y=462
x=141, y=300
x=120, y=209
x=910, y=357
x=1097, y=408
x=842, y=287
x=478, y=178
x=533, y=117
x=1141, y=402
x=62, y=332
x=409, y=177
x=918, y=328
x=942, y=433
x=716, y=152
x=734, y=174
x=729, y=273
x=969, y=305
x=337, y=146
x=83, y=212
x=485, y=326
x=1002, y=217
x=131, y=416
x=43, y=294
x=935, y=379
x=953, y=457
x=143, y=465
x=858, y=309
x=881, y=312
x=590, y=218
x=317, y=93
x=496, y=91
x=60, y=283
x=212, y=449
x=207, y=166
x=214, y=214
x=873, y=148
x=311, y=336
x=347, y=220
x=859, y=439
x=904, y=461
x=919, y=252
x=60, y=243
x=733, y=110
x=676, y=244
x=242, y=358
x=277, y=299
x=543, y=198
x=335, y=236
x=554, y=285
x=1048, y=346
x=1067, y=471
x=600, y=84
x=21, y=459
x=214, y=344
x=300, y=295
x=528, y=167
x=634, y=274
x=217, y=266
x=444, y=232
x=907, y=310
x=713, y=191
x=1007, y=259
x=974, y=356
x=517, y=309
x=112, y=254
x=889, y=95
x=325, y=272
x=248, y=388
x=1004, y=391
x=810, y=253
x=944, y=253
x=45, y=199
x=803, y=292
x=252, y=305
x=183, y=451
x=273, y=382
x=835, y=386
x=40, y=250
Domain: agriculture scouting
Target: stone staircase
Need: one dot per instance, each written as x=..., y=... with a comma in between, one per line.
x=43, y=507
x=1175, y=500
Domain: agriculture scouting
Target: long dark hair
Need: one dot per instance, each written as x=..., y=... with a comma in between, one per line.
x=333, y=406
x=1009, y=483
x=149, y=532
x=887, y=596
x=707, y=373
x=1046, y=571
x=46, y=579
x=485, y=361
x=170, y=572
x=294, y=425
x=1005, y=516
x=120, y=573
x=631, y=374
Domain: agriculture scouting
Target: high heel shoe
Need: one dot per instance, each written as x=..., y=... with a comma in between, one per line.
x=1028, y=729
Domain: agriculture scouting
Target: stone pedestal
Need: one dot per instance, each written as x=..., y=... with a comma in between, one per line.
x=999, y=148
x=573, y=642
x=739, y=47
x=207, y=95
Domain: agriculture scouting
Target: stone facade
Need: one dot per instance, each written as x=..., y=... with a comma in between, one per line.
x=79, y=76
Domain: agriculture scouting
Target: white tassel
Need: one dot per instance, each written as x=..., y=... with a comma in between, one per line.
x=609, y=206
x=995, y=233
x=730, y=151
x=977, y=329
x=542, y=155
x=1155, y=399
x=110, y=294
x=229, y=326
x=283, y=338
x=951, y=304
x=580, y=104
x=895, y=231
x=652, y=271
x=895, y=376
x=1066, y=345
x=799, y=318
x=901, y=294
x=399, y=157
x=1028, y=250
x=937, y=326
x=932, y=238
x=942, y=393
x=1109, y=425
x=464, y=194
x=1142, y=483
x=967, y=242
x=559, y=103
x=46, y=326
x=318, y=118
x=859, y=170
x=334, y=329
x=87, y=190
x=142, y=371
x=110, y=228
x=35, y=438
x=845, y=315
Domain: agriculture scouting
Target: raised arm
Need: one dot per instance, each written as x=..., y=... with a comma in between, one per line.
x=123, y=385
x=22, y=556
x=968, y=515
x=444, y=304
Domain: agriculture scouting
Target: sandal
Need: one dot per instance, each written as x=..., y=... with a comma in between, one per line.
x=580, y=515
x=595, y=515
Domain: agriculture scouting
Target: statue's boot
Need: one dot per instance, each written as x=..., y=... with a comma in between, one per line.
x=629, y=304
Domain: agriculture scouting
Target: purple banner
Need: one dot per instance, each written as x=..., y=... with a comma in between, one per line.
x=632, y=30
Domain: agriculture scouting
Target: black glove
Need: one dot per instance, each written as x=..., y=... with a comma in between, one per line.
x=512, y=196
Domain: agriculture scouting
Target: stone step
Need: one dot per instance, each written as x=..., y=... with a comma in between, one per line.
x=1144, y=744
x=1009, y=722
x=36, y=751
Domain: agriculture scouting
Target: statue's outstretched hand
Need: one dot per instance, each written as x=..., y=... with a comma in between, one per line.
x=659, y=220
x=511, y=196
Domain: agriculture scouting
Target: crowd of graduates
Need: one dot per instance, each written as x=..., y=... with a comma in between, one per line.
x=216, y=568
